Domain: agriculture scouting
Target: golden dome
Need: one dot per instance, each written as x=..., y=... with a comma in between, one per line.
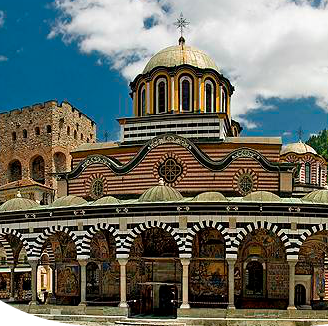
x=178, y=55
x=298, y=148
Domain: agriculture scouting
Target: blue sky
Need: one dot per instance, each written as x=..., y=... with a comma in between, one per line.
x=47, y=53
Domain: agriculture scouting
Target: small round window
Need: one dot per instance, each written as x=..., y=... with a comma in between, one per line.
x=170, y=170
x=245, y=183
x=97, y=188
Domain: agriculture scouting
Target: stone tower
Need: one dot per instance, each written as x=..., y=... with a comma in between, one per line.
x=35, y=142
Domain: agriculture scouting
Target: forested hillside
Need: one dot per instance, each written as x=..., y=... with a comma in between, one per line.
x=320, y=143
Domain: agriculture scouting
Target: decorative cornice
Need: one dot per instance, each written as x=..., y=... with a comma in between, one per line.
x=118, y=168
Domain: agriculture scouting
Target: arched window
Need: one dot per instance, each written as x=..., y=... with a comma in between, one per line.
x=142, y=101
x=48, y=129
x=14, y=136
x=38, y=169
x=68, y=130
x=37, y=131
x=60, y=162
x=223, y=100
x=24, y=133
x=161, y=95
x=209, y=96
x=75, y=134
x=307, y=173
x=185, y=94
x=319, y=176
x=81, y=136
x=15, y=171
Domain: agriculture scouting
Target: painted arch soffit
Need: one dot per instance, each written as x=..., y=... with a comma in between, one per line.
x=119, y=168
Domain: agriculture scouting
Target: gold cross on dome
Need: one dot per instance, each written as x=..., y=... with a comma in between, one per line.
x=181, y=23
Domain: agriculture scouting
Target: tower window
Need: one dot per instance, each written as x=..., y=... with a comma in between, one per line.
x=14, y=136
x=68, y=130
x=24, y=133
x=209, y=97
x=75, y=134
x=142, y=101
x=48, y=129
x=37, y=131
x=81, y=136
x=319, y=176
x=307, y=173
x=223, y=100
x=161, y=95
x=185, y=94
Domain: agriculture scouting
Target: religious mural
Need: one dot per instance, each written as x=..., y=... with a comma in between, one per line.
x=311, y=261
x=208, y=269
x=67, y=280
x=153, y=261
x=103, y=278
x=261, y=270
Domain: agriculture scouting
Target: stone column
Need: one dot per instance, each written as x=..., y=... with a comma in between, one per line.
x=34, y=272
x=83, y=265
x=52, y=296
x=12, y=283
x=231, y=280
x=123, y=262
x=291, y=264
x=185, y=283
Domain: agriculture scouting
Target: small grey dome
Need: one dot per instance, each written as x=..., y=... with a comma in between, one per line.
x=210, y=196
x=261, y=196
x=317, y=196
x=298, y=148
x=18, y=204
x=160, y=193
x=69, y=200
x=106, y=201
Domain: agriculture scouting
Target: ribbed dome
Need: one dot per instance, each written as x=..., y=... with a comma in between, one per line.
x=18, y=204
x=106, y=200
x=317, y=196
x=178, y=55
x=210, y=196
x=160, y=193
x=298, y=148
x=261, y=196
x=69, y=200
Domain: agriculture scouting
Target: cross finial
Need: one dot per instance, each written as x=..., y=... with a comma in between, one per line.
x=181, y=23
x=300, y=133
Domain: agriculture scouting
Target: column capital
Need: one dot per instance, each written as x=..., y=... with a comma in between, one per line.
x=122, y=261
x=82, y=262
x=231, y=261
x=185, y=261
x=292, y=263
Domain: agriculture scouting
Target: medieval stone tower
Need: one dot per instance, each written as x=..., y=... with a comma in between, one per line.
x=35, y=142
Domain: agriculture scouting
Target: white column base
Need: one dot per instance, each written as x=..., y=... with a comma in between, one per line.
x=185, y=306
x=33, y=303
x=291, y=308
x=123, y=305
x=82, y=304
x=11, y=299
x=231, y=307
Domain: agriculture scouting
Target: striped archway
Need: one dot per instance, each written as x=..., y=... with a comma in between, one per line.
x=203, y=225
x=41, y=239
x=85, y=246
x=128, y=241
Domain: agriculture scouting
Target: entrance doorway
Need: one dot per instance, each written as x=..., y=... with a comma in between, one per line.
x=300, y=295
x=254, y=279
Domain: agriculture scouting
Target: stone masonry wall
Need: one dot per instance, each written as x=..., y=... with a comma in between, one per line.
x=50, y=130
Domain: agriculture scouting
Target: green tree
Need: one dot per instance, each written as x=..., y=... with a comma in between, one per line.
x=320, y=143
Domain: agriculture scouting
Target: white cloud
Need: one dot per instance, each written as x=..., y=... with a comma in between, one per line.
x=2, y=18
x=287, y=133
x=3, y=58
x=267, y=48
